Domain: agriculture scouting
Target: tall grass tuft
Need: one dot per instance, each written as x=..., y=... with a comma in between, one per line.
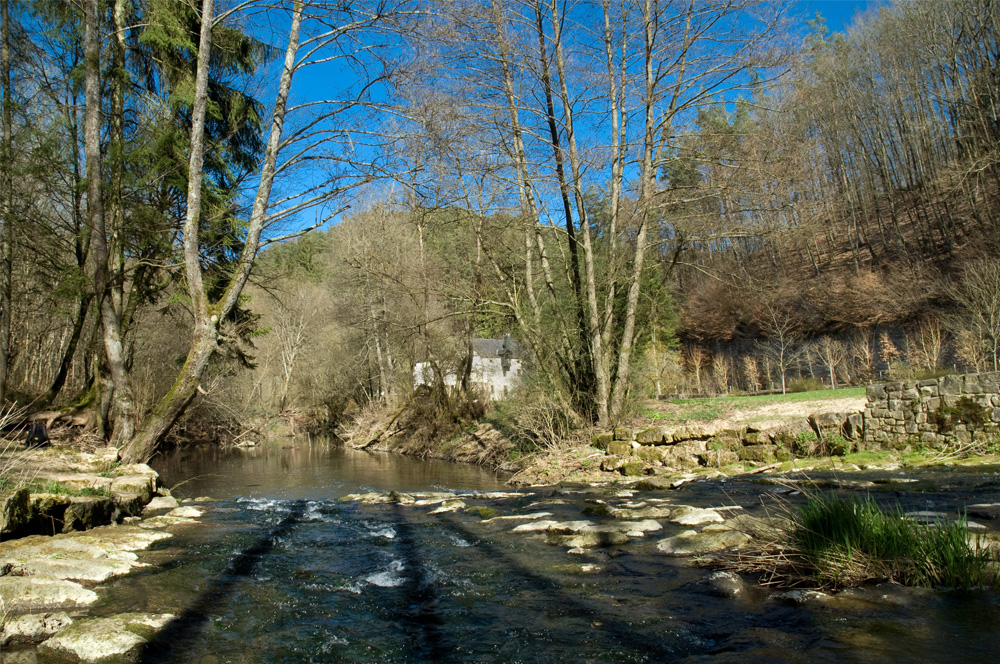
x=847, y=541
x=13, y=473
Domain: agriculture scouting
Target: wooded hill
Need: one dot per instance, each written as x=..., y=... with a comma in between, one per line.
x=651, y=197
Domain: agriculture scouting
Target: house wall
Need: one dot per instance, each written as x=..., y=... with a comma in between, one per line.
x=487, y=376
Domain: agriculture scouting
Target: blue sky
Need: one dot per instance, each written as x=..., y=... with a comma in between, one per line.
x=838, y=13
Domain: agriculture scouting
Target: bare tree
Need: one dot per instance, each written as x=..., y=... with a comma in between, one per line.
x=833, y=353
x=978, y=295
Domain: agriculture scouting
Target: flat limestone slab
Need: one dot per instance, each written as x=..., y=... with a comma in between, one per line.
x=100, y=639
x=21, y=594
x=32, y=627
x=693, y=543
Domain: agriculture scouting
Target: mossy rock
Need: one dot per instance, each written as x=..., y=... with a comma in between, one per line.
x=602, y=440
x=758, y=453
x=730, y=443
x=633, y=468
x=621, y=433
x=649, y=453
x=598, y=510
x=718, y=458
x=612, y=463
x=620, y=447
x=651, y=436
x=484, y=512
x=15, y=511
x=756, y=438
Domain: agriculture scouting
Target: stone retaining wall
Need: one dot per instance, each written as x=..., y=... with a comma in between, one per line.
x=951, y=410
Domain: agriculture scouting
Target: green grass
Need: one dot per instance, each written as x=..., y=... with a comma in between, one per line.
x=710, y=408
x=848, y=541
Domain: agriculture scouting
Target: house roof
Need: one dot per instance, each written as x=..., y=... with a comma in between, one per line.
x=496, y=347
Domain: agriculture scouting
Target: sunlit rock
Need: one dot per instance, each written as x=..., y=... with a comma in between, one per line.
x=693, y=543
x=101, y=639
x=22, y=594
x=694, y=516
x=32, y=628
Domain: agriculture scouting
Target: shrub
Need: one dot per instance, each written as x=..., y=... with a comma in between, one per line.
x=965, y=411
x=805, y=443
x=836, y=445
x=805, y=385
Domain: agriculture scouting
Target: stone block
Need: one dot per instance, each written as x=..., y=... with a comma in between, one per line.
x=971, y=386
x=718, y=458
x=15, y=511
x=932, y=404
x=931, y=382
x=622, y=433
x=690, y=433
x=963, y=437
x=875, y=392
x=724, y=442
x=689, y=448
x=602, y=440
x=928, y=437
x=894, y=404
x=995, y=416
x=758, y=453
x=854, y=426
x=911, y=393
x=951, y=386
x=650, y=436
x=620, y=447
x=612, y=463
x=756, y=438
x=633, y=469
x=826, y=423
x=650, y=453
x=84, y=513
x=911, y=428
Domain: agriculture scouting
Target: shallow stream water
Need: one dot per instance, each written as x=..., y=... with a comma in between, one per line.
x=279, y=570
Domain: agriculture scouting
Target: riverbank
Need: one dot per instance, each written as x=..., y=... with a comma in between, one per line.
x=70, y=521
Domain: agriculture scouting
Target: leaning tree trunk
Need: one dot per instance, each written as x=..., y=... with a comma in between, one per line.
x=208, y=315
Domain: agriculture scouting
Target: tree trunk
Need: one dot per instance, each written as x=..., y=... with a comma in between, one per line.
x=7, y=202
x=207, y=317
x=124, y=402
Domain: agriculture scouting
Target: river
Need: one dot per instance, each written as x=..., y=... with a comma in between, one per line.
x=279, y=570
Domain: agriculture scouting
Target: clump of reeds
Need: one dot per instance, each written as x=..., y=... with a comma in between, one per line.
x=833, y=541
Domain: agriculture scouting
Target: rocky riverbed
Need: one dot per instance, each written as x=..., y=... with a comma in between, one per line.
x=73, y=521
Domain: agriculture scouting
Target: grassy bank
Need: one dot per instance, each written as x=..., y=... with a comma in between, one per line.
x=683, y=411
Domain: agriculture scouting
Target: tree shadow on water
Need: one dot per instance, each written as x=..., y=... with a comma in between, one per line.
x=419, y=620
x=189, y=624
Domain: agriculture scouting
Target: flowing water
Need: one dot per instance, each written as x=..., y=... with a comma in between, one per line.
x=279, y=570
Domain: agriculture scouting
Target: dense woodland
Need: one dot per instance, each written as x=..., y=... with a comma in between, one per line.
x=652, y=197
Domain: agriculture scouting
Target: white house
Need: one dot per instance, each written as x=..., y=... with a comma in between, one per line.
x=496, y=368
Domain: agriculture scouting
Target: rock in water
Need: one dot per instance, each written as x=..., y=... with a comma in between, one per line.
x=32, y=628
x=99, y=639
x=693, y=543
x=22, y=593
x=695, y=516
x=725, y=584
